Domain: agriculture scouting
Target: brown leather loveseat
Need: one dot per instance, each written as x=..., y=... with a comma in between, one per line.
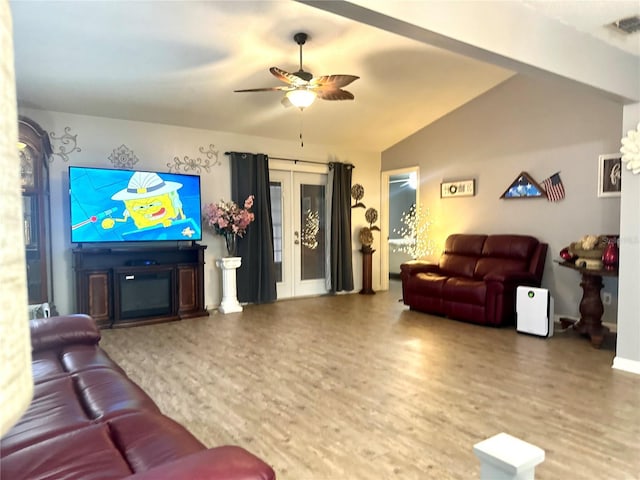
x=88, y=420
x=476, y=277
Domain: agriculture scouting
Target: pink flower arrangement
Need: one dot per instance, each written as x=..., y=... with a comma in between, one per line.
x=227, y=217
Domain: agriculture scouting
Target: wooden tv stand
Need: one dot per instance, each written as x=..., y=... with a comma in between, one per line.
x=99, y=273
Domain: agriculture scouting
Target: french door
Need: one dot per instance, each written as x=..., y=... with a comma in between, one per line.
x=298, y=209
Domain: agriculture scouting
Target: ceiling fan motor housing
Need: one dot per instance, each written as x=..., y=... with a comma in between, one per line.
x=300, y=38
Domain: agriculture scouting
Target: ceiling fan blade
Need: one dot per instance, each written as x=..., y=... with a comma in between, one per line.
x=333, y=81
x=267, y=89
x=287, y=77
x=333, y=94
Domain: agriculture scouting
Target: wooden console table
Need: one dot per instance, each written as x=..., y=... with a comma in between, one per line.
x=173, y=275
x=591, y=308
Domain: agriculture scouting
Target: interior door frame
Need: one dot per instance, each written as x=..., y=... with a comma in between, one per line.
x=291, y=168
x=385, y=176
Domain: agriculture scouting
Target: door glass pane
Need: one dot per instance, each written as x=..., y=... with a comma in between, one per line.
x=30, y=218
x=312, y=225
x=27, y=171
x=276, y=215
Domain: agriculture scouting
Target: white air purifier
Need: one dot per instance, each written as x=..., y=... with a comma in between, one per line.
x=534, y=311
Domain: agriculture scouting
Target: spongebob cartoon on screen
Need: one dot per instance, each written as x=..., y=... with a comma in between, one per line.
x=149, y=201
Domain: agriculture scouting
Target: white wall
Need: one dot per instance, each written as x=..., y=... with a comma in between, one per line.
x=524, y=124
x=628, y=340
x=156, y=145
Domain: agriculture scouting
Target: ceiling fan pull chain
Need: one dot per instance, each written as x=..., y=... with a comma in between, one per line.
x=301, y=125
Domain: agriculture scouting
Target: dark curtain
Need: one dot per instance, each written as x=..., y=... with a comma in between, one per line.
x=341, y=265
x=256, y=277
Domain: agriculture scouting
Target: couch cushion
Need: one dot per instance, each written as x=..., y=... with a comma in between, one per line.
x=465, y=290
x=53, y=410
x=54, y=332
x=82, y=357
x=45, y=366
x=105, y=393
x=457, y=265
x=149, y=439
x=498, y=266
x=222, y=463
x=505, y=253
x=461, y=252
x=464, y=244
x=425, y=292
x=518, y=247
x=87, y=453
x=48, y=364
x=429, y=284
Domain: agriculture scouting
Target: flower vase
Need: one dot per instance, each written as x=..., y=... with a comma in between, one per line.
x=610, y=255
x=231, y=239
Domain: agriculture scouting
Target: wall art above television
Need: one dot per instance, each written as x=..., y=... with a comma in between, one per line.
x=112, y=205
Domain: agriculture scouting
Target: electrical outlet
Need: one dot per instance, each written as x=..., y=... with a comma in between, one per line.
x=606, y=298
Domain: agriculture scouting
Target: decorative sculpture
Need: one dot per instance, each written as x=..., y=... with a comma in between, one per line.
x=631, y=150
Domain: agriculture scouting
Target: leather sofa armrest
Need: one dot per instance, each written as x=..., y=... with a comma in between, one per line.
x=413, y=267
x=512, y=278
x=52, y=332
x=220, y=463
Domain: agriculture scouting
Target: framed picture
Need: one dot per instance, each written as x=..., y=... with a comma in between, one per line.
x=609, y=175
x=461, y=188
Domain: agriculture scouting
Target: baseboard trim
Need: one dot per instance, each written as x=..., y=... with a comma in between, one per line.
x=632, y=366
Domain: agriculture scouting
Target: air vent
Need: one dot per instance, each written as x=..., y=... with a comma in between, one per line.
x=628, y=25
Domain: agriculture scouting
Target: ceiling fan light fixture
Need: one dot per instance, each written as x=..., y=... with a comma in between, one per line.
x=301, y=97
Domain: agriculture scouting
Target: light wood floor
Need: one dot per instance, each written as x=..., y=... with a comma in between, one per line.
x=359, y=387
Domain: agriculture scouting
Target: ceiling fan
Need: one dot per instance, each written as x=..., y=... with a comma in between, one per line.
x=302, y=87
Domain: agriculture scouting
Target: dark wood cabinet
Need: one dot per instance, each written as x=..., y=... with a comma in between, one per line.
x=187, y=289
x=34, y=152
x=98, y=287
x=133, y=285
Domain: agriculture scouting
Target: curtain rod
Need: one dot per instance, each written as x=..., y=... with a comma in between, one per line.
x=295, y=160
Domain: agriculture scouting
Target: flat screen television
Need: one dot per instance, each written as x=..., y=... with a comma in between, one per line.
x=110, y=205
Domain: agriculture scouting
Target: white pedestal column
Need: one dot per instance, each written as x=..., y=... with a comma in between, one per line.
x=503, y=457
x=230, y=303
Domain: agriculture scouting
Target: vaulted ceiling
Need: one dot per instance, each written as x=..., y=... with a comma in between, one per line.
x=178, y=62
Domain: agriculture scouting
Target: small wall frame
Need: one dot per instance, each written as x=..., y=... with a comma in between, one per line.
x=610, y=175
x=461, y=188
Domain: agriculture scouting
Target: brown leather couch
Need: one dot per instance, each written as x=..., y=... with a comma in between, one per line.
x=476, y=277
x=88, y=420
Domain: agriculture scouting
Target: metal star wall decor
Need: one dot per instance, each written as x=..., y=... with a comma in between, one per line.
x=123, y=157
